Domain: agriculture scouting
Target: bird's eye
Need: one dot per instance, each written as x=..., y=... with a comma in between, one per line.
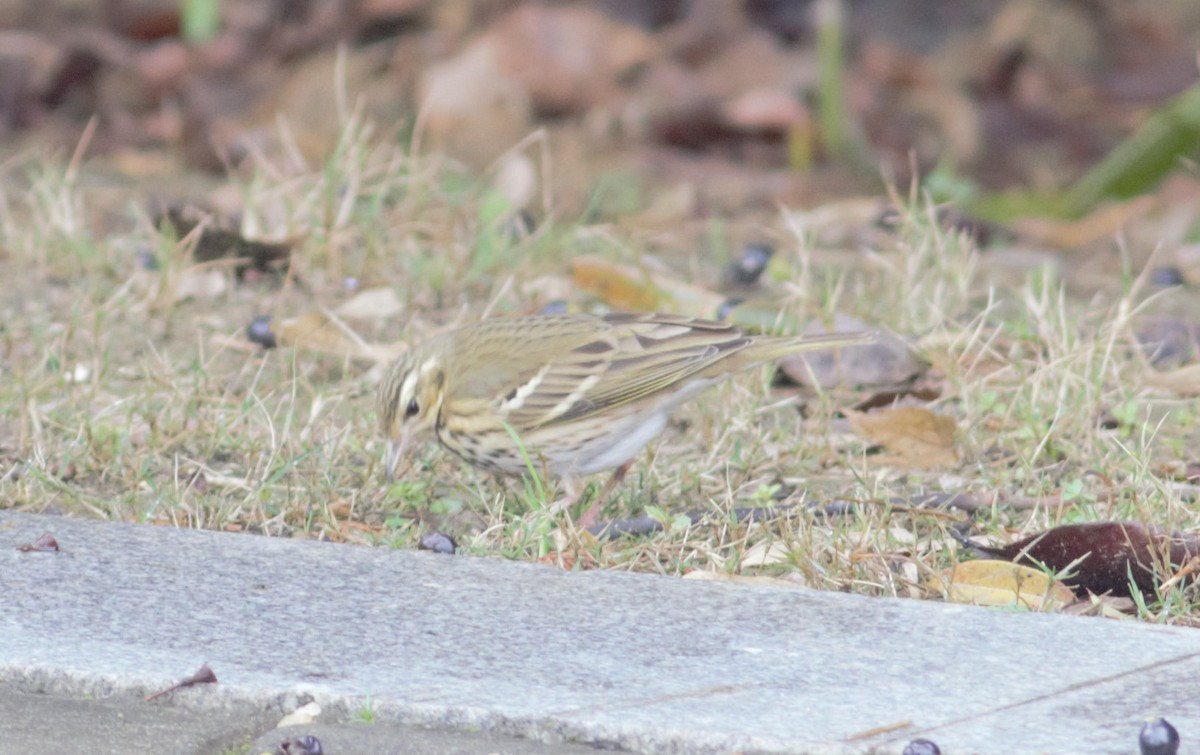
x=412, y=408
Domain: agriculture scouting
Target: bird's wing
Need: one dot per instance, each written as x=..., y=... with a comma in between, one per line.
x=632, y=357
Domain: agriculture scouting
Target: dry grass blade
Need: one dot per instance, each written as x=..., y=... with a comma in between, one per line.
x=115, y=404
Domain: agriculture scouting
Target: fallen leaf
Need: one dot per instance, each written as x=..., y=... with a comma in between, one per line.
x=916, y=437
x=371, y=304
x=988, y=582
x=765, y=554
x=1184, y=381
x=923, y=394
x=1101, y=556
x=302, y=716
x=888, y=360
x=201, y=284
x=628, y=288
x=325, y=334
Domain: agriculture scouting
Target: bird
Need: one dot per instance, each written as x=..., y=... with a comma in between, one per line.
x=570, y=394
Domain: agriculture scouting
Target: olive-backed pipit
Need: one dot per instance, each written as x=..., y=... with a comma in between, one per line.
x=582, y=393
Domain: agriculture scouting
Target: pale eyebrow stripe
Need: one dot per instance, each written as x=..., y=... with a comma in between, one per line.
x=408, y=386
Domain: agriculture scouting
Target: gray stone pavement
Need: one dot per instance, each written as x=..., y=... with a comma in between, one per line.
x=41, y=724
x=485, y=649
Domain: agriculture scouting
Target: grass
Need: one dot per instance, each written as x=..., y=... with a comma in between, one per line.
x=121, y=401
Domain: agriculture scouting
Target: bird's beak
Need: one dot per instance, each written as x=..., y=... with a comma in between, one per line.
x=396, y=449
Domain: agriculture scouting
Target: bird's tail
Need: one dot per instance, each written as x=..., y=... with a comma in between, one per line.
x=766, y=349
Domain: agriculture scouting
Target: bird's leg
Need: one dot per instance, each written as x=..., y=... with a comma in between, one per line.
x=618, y=475
x=573, y=491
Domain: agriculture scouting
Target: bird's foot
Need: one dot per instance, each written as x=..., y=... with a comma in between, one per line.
x=618, y=476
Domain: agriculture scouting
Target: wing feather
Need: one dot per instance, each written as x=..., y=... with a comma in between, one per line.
x=648, y=354
x=590, y=364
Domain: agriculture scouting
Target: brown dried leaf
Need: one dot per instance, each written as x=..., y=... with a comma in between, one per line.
x=923, y=394
x=1184, y=381
x=917, y=438
x=217, y=238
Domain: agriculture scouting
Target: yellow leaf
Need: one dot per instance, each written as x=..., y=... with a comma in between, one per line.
x=990, y=582
x=628, y=288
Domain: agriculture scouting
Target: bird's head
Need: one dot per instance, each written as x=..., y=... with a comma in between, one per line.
x=410, y=399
